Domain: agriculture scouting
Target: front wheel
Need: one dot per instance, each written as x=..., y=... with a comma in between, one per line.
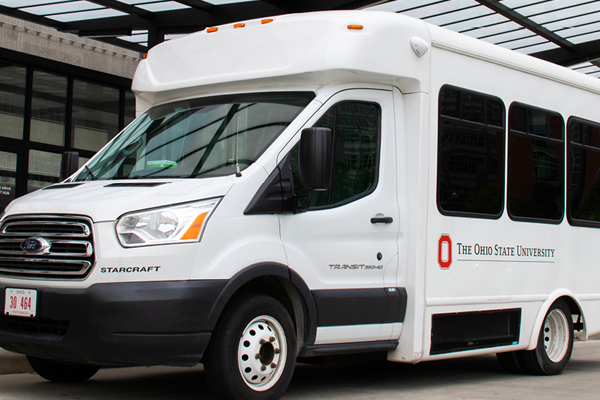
x=252, y=352
x=555, y=343
x=58, y=371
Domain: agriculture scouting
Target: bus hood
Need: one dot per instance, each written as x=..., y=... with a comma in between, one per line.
x=108, y=200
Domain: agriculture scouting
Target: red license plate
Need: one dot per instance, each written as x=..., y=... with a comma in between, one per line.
x=20, y=302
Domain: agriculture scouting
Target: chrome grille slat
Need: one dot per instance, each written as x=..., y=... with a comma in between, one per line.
x=70, y=254
x=13, y=247
x=52, y=228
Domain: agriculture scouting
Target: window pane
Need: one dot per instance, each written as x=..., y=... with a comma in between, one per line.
x=584, y=167
x=198, y=137
x=471, y=134
x=44, y=169
x=12, y=100
x=355, y=127
x=355, y=139
x=535, y=164
x=48, y=108
x=95, y=115
x=8, y=174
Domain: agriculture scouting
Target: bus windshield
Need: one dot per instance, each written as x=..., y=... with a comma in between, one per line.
x=197, y=137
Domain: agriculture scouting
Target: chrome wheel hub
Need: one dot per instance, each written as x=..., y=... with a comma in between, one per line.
x=262, y=353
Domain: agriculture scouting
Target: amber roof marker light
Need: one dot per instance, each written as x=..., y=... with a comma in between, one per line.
x=212, y=29
x=266, y=21
x=355, y=27
x=239, y=25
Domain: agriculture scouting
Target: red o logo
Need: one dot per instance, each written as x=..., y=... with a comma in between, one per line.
x=445, y=251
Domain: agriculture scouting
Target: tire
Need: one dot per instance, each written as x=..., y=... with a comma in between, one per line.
x=252, y=353
x=57, y=371
x=511, y=362
x=555, y=343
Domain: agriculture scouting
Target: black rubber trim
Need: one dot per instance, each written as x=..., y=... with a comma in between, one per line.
x=268, y=269
x=348, y=348
x=63, y=186
x=338, y=307
x=129, y=323
x=136, y=184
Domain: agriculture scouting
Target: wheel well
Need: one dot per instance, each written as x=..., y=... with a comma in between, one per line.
x=575, y=312
x=284, y=292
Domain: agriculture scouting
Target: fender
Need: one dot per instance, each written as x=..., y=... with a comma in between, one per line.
x=539, y=320
x=268, y=269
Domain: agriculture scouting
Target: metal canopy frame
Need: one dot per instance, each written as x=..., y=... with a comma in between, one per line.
x=565, y=32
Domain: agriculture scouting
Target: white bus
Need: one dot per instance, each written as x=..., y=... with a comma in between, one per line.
x=318, y=184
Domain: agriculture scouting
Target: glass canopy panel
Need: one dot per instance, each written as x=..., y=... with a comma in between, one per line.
x=86, y=15
x=510, y=36
x=27, y=3
x=574, y=32
x=585, y=38
x=491, y=21
x=465, y=15
x=533, y=40
x=588, y=69
x=162, y=6
x=174, y=36
x=515, y=4
x=402, y=5
x=221, y=2
x=488, y=33
x=437, y=9
x=537, y=48
x=135, y=2
x=136, y=37
x=60, y=8
x=575, y=22
x=564, y=13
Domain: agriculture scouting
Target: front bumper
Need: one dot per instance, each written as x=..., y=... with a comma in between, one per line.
x=112, y=324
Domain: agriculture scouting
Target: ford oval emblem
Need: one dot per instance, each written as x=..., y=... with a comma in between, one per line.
x=35, y=245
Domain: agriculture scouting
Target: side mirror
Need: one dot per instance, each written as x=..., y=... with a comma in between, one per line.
x=69, y=164
x=316, y=158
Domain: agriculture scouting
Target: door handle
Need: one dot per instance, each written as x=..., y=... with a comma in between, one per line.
x=380, y=219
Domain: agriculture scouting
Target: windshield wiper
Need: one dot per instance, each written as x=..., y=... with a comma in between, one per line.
x=90, y=172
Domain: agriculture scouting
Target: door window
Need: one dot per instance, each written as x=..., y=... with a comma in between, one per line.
x=356, y=136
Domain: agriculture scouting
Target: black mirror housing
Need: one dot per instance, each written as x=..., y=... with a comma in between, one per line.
x=69, y=164
x=316, y=158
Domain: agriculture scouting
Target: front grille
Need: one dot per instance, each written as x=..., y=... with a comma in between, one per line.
x=34, y=325
x=66, y=249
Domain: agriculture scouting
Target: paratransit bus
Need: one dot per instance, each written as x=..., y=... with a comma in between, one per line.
x=312, y=185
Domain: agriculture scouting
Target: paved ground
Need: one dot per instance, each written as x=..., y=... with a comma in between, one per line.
x=469, y=378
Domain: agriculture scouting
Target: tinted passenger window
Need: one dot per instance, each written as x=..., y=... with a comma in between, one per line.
x=583, y=186
x=470, y=179
x=356, y=129
x=535, y=164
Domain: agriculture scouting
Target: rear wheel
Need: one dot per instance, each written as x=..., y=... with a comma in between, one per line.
x=252, y=353
x=555, y=343
x=58, y=371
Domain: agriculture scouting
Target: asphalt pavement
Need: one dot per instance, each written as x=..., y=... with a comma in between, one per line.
x=477, y=377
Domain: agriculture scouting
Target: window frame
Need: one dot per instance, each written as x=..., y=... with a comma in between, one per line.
x=501, y=154
x=548, y=140
x=569, y=170
x=377, y=158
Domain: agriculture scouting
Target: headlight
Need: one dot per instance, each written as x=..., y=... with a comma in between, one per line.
x=176, y=224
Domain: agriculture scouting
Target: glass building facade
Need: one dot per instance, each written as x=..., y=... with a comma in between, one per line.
x=47, y=108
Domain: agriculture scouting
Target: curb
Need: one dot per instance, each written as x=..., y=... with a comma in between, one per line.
x=13, y=363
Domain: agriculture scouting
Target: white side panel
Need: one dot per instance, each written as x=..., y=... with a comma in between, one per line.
x=502, y=263
x=355, y=333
